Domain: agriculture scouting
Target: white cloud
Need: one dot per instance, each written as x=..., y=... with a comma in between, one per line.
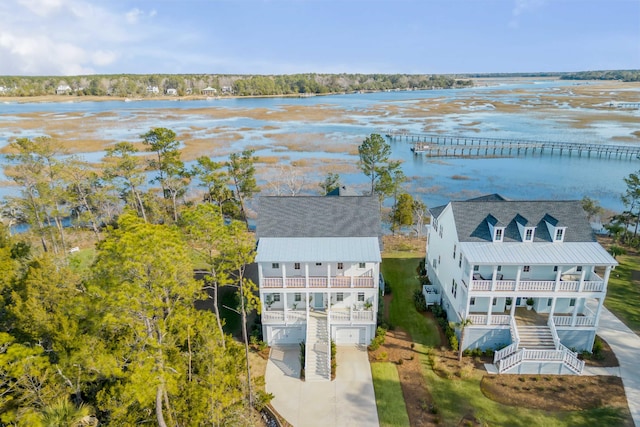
x=520, y=8
x=53, y=37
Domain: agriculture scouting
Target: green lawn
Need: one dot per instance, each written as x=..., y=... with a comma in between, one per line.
x=623, y=293
x=392, y=411
x=457, y=398
x=401, y=274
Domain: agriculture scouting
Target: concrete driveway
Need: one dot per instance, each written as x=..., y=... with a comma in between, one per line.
x=349, y=400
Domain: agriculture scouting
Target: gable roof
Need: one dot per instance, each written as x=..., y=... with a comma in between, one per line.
x=471, y=219
x=313, y=216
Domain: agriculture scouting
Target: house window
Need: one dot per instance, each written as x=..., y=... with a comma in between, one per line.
x=472, y=301
x=297, y=297
x=340, y=266
x=476, y=268
x=361, y=265
x=296, y=266
x=499, y=268
x=494, y=301
x=549, y=302
x=559, y=234
x=361, y=296
x=572, y=302
x=339, y=297
x=318, y=263
x=498, y=235
x=460, y=260
x=454, y=251
x=438, y=259
x=276, y=297
x=528, y=235
x=579, y=268
x=555, y=268
x=275, y=265
x=526, y=268
x=453, y=285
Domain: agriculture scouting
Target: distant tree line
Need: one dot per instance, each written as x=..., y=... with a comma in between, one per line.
x=622, y=75
x=242, y=85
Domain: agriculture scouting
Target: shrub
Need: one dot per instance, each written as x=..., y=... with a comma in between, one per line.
x=489, y=352
x=453, y=342
x=378, y=340
x=262, y=399
x=302, y=356
x=419, y=301
x=598, y=349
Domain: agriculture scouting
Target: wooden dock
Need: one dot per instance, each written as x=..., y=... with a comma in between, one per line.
x=433, y=145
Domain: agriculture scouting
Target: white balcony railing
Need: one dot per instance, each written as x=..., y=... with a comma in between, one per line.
x=277, y=316
x=352, y=316
x=319, y=282
x=585, y=321
x=536, y=286
x=481, y=319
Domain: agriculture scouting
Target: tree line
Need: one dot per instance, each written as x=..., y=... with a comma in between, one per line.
x=242, y=85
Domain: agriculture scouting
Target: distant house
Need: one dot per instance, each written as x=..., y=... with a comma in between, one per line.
x=209, y=91
x=227, y=89
x=153, y=90
x=188, y=91
x=63, y=89
x=528, y=275
x=172, y=91
x=3, y=90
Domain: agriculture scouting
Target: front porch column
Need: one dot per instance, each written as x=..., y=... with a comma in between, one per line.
x=328, y=275
x=574, y=316
x=598, y=310
x=306, y=274
x=286, y=309
x=489, y=310
x=607, y=273
x=260, y=274
x=284, y=275
x=513, y=306
x=307, y=303
x=493, y=278
x=466, y=312
x=553, y=308
x=582, y=274
x=518, y=273
x=558, y=274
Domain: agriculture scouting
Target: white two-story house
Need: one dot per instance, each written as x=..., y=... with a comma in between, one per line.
x=318, y=265
x=528, y=275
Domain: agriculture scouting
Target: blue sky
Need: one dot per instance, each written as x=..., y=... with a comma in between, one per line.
x=62, y=37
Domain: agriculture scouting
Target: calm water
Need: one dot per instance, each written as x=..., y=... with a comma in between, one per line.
x=434, y=180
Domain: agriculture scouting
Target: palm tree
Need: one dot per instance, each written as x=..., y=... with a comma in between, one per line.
x=64, y=413
x=462, y=325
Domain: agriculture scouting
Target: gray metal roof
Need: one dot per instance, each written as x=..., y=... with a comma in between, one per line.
x=471, y=219
x=344, y=216
x=318, y=249
x=505, y=253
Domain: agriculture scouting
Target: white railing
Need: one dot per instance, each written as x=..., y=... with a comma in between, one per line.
x=363, y=282
x=273, y=316
x=562, y=320
x=510, y=361
x=341, y=282
x=585, y=321
x=478, y=319
x=505, y=285
x=593, y=286
x=480, y=285
x=362, y=316
x=296, y=316
x=317, y=282
x=507, y=351
x=554, y=332
x=542, y=355
x=536, y=285
x=571, y=361
x=352, y=316
x=500, y=319
x=272, y=282
x=568, y=286
x=340, y=316
x=295, y=282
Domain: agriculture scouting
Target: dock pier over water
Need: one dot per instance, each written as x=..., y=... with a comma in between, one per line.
x=432, y=145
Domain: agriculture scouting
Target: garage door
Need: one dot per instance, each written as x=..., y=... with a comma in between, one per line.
x=288, y=335
x=350, y=336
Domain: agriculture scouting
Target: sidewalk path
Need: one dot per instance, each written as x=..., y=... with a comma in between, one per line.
x=626, y=346
x=347, y=401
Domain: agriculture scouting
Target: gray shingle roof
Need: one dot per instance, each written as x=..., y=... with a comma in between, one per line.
x=344, y=216
x=471, y=219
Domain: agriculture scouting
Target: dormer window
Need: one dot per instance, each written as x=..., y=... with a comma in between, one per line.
x=528, y=234
x=559, y=237
x=497, y=234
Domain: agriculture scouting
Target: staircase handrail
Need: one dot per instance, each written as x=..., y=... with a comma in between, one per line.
x=511, y=348
x=510, y=361
x=570, y=359
x=554, y=333
x=306, y=346
x=515, y=336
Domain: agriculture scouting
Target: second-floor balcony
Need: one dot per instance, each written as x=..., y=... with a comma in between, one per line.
x=319, y=282
x=594, y=284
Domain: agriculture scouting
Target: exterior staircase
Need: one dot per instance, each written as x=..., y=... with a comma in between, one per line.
x=318, y=351
x=536, y=338
x=536, y=344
